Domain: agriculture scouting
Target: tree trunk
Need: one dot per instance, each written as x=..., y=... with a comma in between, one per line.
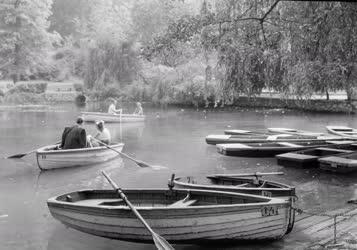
x=327, y=95
x=16, y=74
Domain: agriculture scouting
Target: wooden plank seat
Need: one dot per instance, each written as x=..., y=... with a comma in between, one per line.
x=182, y=203
x=288, y=144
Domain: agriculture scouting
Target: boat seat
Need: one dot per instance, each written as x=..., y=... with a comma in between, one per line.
x=182, y=203
x=242, y=185
x=288, y=144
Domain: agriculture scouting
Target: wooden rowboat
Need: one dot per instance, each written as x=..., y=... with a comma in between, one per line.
x=178, y=215
x=219, y=139
x=342, y=131
x=246, y=132
x=50, y=158
x=343, y=164
x=95, y=116
x=308, y=158
x=270, y=149
x=246, y=185
x=293, y=131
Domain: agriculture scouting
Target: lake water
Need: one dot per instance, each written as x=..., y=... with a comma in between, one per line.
x=172, y=138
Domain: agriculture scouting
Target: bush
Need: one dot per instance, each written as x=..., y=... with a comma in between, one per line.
x=78, y=87
x=2, y=93
x=107, y=92
x=24, y=98
x=37, y=88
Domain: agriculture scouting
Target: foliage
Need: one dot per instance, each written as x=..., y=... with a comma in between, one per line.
x=25, y=39
x=23, y=98
x=78, y=87
x=36, y=88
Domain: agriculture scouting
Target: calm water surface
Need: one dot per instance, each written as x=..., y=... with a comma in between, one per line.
x=173, y=138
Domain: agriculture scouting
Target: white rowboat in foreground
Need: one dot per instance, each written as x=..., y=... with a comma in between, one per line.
x=50, y=158
x=178, y=215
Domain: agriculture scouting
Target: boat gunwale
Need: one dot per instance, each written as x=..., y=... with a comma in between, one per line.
x=285, y=188
x=113, y=115
x=268, y=200
x=43, y=150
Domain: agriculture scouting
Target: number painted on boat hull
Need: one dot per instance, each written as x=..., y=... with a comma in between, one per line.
x=269, y=211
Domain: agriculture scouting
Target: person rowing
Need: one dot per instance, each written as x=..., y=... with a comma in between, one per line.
x=74, y=137
x=112, y=108
x=139, y=109
x=103, y=135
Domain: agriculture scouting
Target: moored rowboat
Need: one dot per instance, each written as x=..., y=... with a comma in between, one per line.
x=293, y=131
x=178, y=215
x=95, y=116
x=245, y=185
x=308, y=158
x=246, y=132
x=219, y=139
x=342, y=131
x=270, y=149
x=343, y=164
x=50, y=158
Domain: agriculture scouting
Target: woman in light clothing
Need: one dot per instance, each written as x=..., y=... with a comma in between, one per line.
x=139, y=109
x=103, y=135
x=112, y=108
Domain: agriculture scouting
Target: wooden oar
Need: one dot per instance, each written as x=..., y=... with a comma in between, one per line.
x=139, y=163
x=159, y=241
x=247, y=174
x=17, y=156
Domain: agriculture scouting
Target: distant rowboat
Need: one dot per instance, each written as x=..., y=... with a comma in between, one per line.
x=342, y=131
x=178, y=215
x=95, y=116
x=50, y=158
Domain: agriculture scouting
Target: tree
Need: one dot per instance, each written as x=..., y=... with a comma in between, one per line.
x=24, y=37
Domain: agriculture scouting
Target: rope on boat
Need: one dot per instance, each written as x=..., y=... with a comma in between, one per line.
x=332, y=216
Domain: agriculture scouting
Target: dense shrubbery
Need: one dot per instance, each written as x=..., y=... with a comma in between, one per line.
x=24, y=98
x=37, y=88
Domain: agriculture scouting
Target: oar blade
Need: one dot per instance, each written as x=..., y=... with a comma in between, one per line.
x=161, y=243
x=142, y=164
x=16, y=156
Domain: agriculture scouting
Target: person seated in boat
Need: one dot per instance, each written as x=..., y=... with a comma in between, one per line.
x=139, y=109
x=103, y=135
x=75, y=136
x=112, y=108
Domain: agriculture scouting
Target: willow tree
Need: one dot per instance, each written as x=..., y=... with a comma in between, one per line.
x=24, y=37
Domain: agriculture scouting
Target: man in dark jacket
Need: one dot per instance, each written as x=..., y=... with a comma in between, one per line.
x=74, y=137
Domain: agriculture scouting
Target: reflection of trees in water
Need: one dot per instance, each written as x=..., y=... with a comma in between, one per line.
x=126, y=130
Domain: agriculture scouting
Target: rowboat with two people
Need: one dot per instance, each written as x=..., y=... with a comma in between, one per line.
x=178, y=215
x=115, y=115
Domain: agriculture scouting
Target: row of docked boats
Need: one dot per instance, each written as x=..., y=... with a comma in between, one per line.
x=225, y=208
x=292, y=147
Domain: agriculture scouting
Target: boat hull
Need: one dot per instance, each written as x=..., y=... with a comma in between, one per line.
x=47, y=158
x=343, y=164
x=307, y=158
x=342, y=131
x=109, y=118
x=185, y=224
